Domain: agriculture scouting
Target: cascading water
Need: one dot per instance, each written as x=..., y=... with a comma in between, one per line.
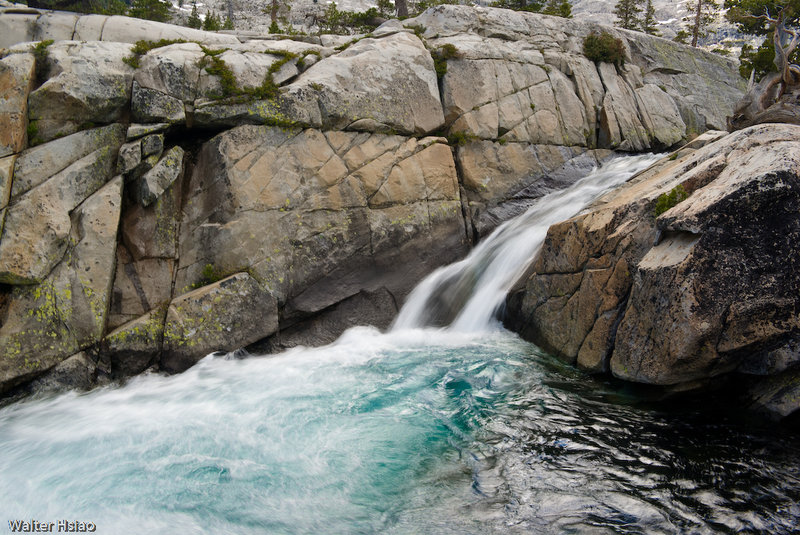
x=467, y=294
x=413, y=431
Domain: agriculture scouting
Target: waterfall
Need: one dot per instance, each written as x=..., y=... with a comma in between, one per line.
x=467, y=295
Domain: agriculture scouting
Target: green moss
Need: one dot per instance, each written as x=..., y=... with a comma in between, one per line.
x=268, y=90
x=354, y=41
x=33, y=133
x=142, y=47
x=666, y=201
x=40, y=50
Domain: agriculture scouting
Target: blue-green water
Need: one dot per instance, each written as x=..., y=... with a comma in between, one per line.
x=415, y=431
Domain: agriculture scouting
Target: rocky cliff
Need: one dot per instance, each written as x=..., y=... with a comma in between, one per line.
x=685, y=275
x=175, y=198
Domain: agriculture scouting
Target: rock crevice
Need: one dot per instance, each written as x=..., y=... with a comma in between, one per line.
x=147, y=195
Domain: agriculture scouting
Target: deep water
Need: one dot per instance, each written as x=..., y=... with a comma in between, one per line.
x=463, y=429
x=415, y=431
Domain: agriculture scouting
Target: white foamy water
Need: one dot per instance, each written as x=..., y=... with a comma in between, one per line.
x=467, y=295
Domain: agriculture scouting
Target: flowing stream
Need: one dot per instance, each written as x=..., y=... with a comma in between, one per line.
x=421, y=430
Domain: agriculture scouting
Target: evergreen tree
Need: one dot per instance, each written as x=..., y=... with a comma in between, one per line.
x=748, y=15
x=534, y=6
x=385, y=7
x=627, y=12
x=194, y=19
x=559, y=8
x=701, y=14
x=278, y=11
x=228, y=24
x=211, y=23
x=649, y=20
x=102, y=7
x=150, y=9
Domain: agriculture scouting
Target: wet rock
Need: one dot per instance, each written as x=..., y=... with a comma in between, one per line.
x=75, y=373
x=135, y=346
x=706, y=288
x=225, y=315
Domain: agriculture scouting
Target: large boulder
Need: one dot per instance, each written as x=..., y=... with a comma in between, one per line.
x=37, y=229
x=16, y=81
x=66, y=312
x=524, y=77
x=343, y=210
x=384, y=84
x=89, y=84
x=707, y=287
x=225, y=315
x=36, y=165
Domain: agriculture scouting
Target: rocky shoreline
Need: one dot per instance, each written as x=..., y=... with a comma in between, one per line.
x=164, y=201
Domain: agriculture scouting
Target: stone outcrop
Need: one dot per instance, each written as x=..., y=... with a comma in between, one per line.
x=225, y=191
x=21, y=25
x=706, y=288
x=524, y=80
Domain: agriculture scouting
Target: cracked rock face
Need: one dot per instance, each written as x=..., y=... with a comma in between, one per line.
x=708, y=287
x=311, y=172
x=336, y=206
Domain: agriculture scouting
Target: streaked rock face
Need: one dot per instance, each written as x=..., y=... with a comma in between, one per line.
x=705, y=288
x=313, y=182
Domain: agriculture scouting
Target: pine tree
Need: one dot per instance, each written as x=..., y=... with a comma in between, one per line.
x=211, y=22
x=194, y=19
x=627, y=12
x=701, y=14
x=649, y=21
x=748, y=15
x=559, y=8
x=228, y=24
x=151, y=10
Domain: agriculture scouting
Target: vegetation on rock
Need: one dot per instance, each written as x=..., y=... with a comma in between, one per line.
x=752, y=17
x=142, y=47
x=440, y=57
x=666, y=201
x=559, y=8
x=604, y=47
x=157, y=10
x=627, y=13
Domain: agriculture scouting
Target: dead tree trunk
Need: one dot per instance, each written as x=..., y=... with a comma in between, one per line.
x=776, y=98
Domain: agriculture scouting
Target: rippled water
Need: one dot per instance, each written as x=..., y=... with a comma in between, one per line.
x=461, y=430
x=408, y=432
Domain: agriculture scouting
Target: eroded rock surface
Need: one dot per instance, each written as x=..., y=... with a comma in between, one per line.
x=312, y=176
x=708, y=287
